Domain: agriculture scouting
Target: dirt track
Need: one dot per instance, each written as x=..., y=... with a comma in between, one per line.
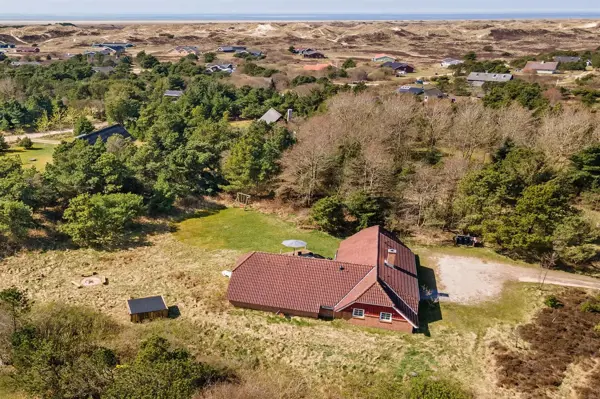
x=37, y=137
x=471, y=280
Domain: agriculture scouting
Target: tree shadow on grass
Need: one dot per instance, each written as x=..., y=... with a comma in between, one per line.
x=429, y=306
x=192, y=208
x=174, y=312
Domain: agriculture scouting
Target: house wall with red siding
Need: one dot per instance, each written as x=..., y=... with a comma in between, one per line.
x=371, y=318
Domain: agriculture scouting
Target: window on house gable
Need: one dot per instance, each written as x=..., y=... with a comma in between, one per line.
x=386, y=317
x=358, y=313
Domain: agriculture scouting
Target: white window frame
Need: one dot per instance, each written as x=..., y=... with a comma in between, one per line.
x=385, y=319
x=358, y=316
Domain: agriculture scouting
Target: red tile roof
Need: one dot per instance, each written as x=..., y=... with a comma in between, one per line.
x=540, y=66
x=360, y=248
x=355, y=293
x=306, y=284
x=292, y=282
x=370, y=246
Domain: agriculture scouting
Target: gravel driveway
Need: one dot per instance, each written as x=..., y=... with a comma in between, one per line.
x=471, y=280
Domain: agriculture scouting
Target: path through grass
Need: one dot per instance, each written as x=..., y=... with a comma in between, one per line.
x=245, y=231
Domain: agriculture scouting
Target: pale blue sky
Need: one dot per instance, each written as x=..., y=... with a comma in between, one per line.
x=90, y=7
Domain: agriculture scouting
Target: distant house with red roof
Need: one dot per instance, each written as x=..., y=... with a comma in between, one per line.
x=371, y=282
x=542, y=67
x=383, y=58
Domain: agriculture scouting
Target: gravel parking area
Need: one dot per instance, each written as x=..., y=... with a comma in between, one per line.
x=472, y=280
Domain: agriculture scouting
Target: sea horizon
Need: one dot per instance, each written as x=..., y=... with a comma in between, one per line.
x=275, y=17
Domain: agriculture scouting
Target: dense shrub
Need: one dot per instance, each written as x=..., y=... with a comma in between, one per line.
x=553, y=302
x=15, y=219
x=349, y=63
x=57, y=356
x=83, y=126
x=303, y=79
x=25, y=142
x=328, y=214
x=209, y=57
x=590, y=306
x=101, y=220
x=367, y=209
x=252, y=69
x=161, y=372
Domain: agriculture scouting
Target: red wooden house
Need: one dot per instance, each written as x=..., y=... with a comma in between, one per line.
x=372, y=282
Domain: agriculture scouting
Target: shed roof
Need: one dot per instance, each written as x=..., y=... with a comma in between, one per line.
x=145, y=305
x=173, y=93
x=394, y=65
x=489, y=77
x=565, y=58
x=271, y=116
x=433, y=92
x=104, y=134
x=409, y=89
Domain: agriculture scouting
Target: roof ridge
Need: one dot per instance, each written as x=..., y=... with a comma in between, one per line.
x=356, y=285
x=242, y=259
x=314, y=259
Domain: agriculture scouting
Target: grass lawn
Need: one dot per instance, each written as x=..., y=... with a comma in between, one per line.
x=244, y=231
x=37, y=156
x=241, y=124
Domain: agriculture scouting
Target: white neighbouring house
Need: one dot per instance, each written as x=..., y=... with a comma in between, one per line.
x=447, y=62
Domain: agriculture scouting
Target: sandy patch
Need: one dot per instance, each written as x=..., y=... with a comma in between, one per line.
x=263, y=30
x=472, y=280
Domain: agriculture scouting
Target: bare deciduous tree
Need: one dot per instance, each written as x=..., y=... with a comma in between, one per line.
x=305, y=164
x=517, y=124
x=436, y=121
x=563, y=134
x=474, y=129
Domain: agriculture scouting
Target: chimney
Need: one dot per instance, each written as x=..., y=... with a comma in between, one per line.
x=288, y=115
x=391, y=257
x=341, y=268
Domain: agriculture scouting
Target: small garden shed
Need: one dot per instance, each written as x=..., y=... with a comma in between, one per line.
x=149, y=308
